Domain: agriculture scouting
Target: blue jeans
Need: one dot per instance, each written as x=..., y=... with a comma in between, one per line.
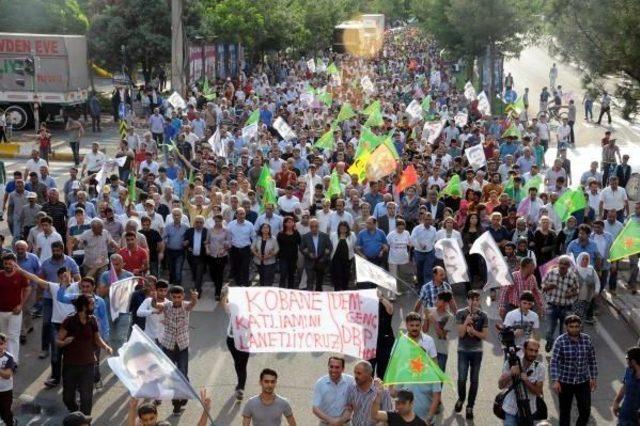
x=56, y=353
x=442, y=361
x=469, y=365
x=511, y=420
x=555, y=316
x=176, y=263
x=47, y=311
x=120, y=330
x=424, y=266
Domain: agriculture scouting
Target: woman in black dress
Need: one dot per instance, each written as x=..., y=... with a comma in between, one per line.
x=289, y=242
x=385, y=337
x=470, y=232
x=343, y=242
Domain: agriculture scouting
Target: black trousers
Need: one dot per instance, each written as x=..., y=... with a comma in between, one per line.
x=383, y=354
x=216, y=269
x=240, y=259
x=315, y=275
x=198, y=264
x=78, y=378
x=240, y=361
x=288, y=266
x=582, y=393
x=6, y=399
x=603, y=111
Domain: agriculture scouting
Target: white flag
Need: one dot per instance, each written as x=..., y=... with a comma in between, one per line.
x=147, y=372
x=249, y=132
x=283, y=128
x=311, y=64
x=321, y=66
x=469, y=91
x=475, y=155
x=217, y=145
x=431, y=131
x=121, y=160
x=483, y=104
x=497, y=270
x=415, y=110
x=454, y=263
x=461, y=118
x=101, y=178
x=368, y=272
x=367, y=85
x=306, y=99
x=177, y=101
x=120, y=293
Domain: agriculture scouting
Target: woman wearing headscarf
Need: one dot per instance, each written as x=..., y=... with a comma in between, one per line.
x=589, y=287
x=568, y=234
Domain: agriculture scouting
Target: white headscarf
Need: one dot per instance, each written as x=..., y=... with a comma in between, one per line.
x=583, y=271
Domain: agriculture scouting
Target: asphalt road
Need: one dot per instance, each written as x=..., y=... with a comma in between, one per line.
x=211, y=365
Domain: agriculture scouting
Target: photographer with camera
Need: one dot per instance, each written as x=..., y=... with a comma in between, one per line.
x=522, y=370
x=523, y=320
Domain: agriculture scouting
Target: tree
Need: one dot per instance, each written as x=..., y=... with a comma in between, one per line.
x=43, y=17
x=470, y=28
x=143, y=27
x=602, y=37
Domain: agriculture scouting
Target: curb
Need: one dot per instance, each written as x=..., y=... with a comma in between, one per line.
x=60, y=151
x=630, y=316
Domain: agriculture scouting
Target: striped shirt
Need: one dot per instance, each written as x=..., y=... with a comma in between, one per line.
x=573, y=361
x=361, y=401
x=510, y=295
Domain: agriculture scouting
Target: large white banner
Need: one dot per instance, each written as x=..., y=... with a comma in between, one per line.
x=120, y=293
x=476, y=157
x=147, y=372
x=453, y=259
x=177, y=101
x=414, y=109
x=269, y=319
x=283, y=128
x=497, y=270
x=461, y=118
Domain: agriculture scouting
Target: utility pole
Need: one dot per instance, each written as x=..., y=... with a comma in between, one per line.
x=177, y=47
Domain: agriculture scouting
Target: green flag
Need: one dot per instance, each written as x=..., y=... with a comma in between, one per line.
x=332, y=69
x=206, y=91
x=270, y=194
x=512, y=131
x=510, y=190
x=346, y=112
x=453, y=187
x=409, y=363
x=254, y=118
x=534, y=182
x=192, y=176
x=133, y=197
x=426, y=103
x=368, y=141
x=517, y=106
x=627, y=242
x=326, y=141
x=264, y=178
x=334, y=186
x=375, y=106
x=388, y=142
x=572, y=200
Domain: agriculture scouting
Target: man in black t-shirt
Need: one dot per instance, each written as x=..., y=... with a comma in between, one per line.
x=403, y=415
x=155, y=244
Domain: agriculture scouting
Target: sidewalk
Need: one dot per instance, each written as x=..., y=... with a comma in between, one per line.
x=625, y=303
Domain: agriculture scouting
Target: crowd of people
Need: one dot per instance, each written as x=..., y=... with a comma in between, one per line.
x=191, y=189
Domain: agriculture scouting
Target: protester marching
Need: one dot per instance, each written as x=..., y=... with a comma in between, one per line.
x=310, y=200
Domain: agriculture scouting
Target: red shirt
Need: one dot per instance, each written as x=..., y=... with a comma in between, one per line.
x=133, y=260
x=11, y=290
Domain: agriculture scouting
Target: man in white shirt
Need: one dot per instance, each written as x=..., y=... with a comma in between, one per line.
x=339, y=215
x=593, y=193
x=34, y=164
x=614, y=197
x=423, y=239
x=93, y=160
x=45, y=238
x=149, y=163
x=563, y=133
x=523, y=320
x=154, y=325
x=156, y=125
x=289, y=204
x=591, y=173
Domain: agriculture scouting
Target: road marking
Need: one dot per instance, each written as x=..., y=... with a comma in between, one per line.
x=611, y=343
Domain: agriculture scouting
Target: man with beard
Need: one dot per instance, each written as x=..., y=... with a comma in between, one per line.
x=532, y=377
x=78, y=337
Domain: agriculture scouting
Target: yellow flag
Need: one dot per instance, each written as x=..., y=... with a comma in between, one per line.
x=359, y=166
x=381, y=163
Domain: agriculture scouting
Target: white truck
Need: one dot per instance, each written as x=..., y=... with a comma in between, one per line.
x=41, y=71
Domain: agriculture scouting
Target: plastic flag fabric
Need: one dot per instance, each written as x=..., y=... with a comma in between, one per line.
x=381, y=163
x=367, y=272
x=409, y=177
x=469, y=91
x=359, y=166
x=207, y=92
x=510, y=190
x=453, y=259
x=162, y=379
x=414, y=110
x=216, y=144
x=483, y=104
x=517, y=106
x=326, y=141
x=375, y=106
x=374, y=120
x=497, y=270
x=334, y=186
x=534, y=182
x=346, y=112
x=120, y=293
x=133, y=197
x=368, y=141
x=426, y=103
x=475, y=156
x=264, y=178
x=627, y=242
x=367, y=85
x=324, y=96
x=572, y=200
x=254, y=118
x=409, y=363
x=249, y=132
x=453, y=187
x=332, y=69
x=512, y=131
x=311, y=64
x=284, y=129
x=177, y=101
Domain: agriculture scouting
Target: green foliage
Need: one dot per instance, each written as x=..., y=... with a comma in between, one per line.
x=145, y=35
x=43, y=17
